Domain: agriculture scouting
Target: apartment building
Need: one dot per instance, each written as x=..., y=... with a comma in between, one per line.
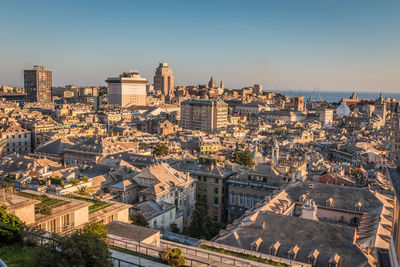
x=205, y=115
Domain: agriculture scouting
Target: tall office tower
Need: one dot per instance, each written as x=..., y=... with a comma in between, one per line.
x=164, y=80
x=37, y=83
x=129, y=89
x=257, y=89
x=208, y=115
x=211, y=83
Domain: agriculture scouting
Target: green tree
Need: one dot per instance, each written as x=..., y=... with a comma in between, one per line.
x=96, y=228
x=160, y=149
x=173, y=257
x=139, y=219
x=10, y=227
x=174, y=228
x=242, y=156
x=201, y=225
x=80, y=249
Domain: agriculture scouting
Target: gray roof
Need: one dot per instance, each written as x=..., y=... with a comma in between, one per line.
x=308, y=235
x=130, y=231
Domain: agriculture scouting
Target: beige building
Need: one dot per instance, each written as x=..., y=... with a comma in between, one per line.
x=129, y=89
x=18, y=140
x=164, y=80
x=205, y=115
x=61, y=214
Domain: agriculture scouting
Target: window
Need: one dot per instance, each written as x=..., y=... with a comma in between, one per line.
x=248, y=198
x=216, y=190
x=205, y=179
x=216, y=180
x=233, y=199
x=216, y=201
x=240, y=200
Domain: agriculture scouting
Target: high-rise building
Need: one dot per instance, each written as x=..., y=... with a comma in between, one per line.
x=129, y=89
x=164, y=80
x=208, y=115
x=37, y=83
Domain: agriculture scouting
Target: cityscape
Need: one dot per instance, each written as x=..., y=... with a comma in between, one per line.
x=139, y=168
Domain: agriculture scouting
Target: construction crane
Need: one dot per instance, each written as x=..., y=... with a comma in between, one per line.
x=312, y=94
x=319, y=94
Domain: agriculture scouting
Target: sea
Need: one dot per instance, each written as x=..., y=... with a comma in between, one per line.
x=335, y=96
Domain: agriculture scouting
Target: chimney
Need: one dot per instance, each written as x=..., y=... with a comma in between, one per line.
x=48, y=182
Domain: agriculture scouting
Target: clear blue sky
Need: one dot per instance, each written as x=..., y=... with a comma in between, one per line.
x=282, y=44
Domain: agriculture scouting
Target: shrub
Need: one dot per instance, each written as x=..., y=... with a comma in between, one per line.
x=173, y=257
x=139, y=219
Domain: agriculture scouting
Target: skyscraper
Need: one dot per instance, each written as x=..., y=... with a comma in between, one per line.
x=164, y=80
x=129, y=89
x=37, y=83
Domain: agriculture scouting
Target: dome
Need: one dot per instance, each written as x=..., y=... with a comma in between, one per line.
x=343, y=110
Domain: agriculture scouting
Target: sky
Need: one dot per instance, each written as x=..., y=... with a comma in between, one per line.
x=336, y=45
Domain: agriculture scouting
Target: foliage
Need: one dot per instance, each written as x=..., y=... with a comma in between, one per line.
x=9, y=234
x=139, y=219
x=173, y=257
x=17, y=255
x=243, y=255
x=201, y=225
x=10, y=227
x=174, y=228
x=9, y=219
x=46, y=203
x=80, y=249
x=96, y=228
x=57, y=181
x=83, y=190
x=243, y=157
x=160, y=149
x=97, y=204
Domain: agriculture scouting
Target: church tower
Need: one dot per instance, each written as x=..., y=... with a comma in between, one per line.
x=211, y=83
x=275, y=152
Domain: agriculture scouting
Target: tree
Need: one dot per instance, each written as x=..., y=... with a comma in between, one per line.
x=201, y=225
x=160, y=149
x=96, y=228
x=173, y=257
x=10, y=227
x=242, y=156
x=174, y=228
x=139, y=219
x=82, y=248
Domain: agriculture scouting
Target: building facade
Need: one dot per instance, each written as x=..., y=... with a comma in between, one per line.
x=164, y=80
x=37, y=83
x=129, y=89
x=18, y=140
x=205, y=115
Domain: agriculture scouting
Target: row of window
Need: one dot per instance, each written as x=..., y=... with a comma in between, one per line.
x=244, y=200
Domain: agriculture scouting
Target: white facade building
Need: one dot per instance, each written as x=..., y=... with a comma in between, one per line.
x=343, y=110
x=129, y=89
x=326, y=117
